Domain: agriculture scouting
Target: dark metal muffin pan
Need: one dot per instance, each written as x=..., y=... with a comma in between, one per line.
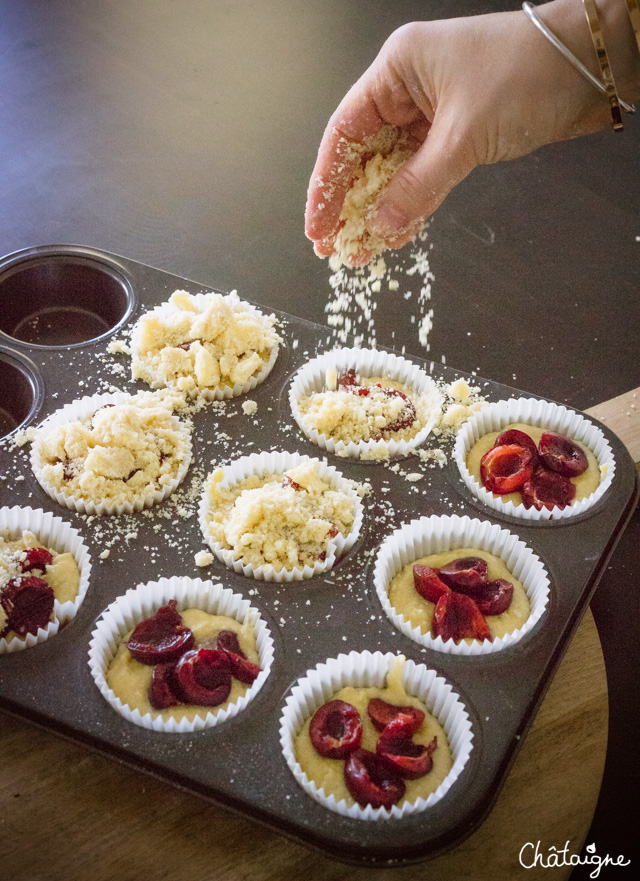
x=239, y=764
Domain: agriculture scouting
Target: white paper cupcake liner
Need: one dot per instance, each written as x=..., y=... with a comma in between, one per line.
x=433, y=535
x=224, y=391
x=59, y=535
x=265, y=463
x=80, y=409
x=143, y=601
x=543, y=414
x=365, y=670
x=368, y=362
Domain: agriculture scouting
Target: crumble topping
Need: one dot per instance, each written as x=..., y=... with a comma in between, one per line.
x=286, y=520
x=351, y=416
x=198, y=343
x=379, y=159
x=116, y=454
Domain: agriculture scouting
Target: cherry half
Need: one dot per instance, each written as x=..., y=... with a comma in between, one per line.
x=548, y=489
x=521, y=438
x=161, y=638
x=505, y=468
x=465, y=575
x=495, y=597
x=35, y=558
x=370, y=780
x=561, y=454
x=163, y=688
x=456, y=617
x=28, y=603
x=410, y=760
x=382, y=713
x=336, y=730
x=204, y=676
x=428, y=583
x=241, y=667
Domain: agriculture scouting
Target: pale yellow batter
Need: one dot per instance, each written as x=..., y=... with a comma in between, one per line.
x=406, y=600
x=328, y=774
x=585, y=483
x=130, y=680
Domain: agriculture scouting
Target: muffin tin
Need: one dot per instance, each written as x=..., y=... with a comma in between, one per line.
x=60, y=306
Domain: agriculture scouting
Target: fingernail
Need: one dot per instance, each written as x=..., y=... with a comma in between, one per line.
x=387, y=221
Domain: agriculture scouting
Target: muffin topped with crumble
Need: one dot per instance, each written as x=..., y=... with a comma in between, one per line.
x=204, y=344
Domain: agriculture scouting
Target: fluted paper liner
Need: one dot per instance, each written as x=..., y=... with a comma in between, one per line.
x=59, y=535
x=365, y=670
x=266, y=463
x=224, y=391
x=368, y=362
x=433, y=535
x=143, y=601
x=543, y=414
x=80, y=409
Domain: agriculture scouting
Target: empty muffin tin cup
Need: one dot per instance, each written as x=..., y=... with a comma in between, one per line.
x=62, y=296
x=21, y=391
x=365, y=670
x=312, y=379
x=58, y=535
x=262, y=465
x=143, y=601
x=543, y=414
x=435, y=534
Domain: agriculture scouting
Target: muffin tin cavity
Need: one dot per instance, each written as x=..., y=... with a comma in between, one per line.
x=61, y=296
x=21, y=391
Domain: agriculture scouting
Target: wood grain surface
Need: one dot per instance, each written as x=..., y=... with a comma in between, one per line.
x=69, y=815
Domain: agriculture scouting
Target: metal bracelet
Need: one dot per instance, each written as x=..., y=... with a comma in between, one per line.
x=634, y=15
x=530, y=11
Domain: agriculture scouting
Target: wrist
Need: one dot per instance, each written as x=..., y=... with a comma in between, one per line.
x=567, y=19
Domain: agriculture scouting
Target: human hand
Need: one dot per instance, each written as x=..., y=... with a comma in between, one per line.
x=464, y=92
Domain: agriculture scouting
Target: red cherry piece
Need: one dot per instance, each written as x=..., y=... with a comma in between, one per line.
x=287, y=481
x=28, y=602
x=548, y=489
x=347, y=379
x=515, y=436
x=163, y=688
x=456, y=617
x=161, y=638
x=332, y=532
x=408, y=414
x=35, y=558
x=559, y=453
x=428, y=583
x=336, y=729
x=465, y=574
x=504, y=469
x=371, y=781
x=204, y=676
x=227, y=641
x=495, y=597
x=381, y=713
x=410, y=760
x=242, y=669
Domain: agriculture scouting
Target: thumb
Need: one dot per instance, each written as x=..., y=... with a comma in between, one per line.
x=422, y=183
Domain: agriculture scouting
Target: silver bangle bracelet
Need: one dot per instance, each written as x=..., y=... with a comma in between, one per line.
x=529, y=10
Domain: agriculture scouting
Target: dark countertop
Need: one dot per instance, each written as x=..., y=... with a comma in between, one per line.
x=183, y=136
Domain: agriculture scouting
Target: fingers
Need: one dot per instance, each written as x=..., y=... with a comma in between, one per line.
x=421, y=184
x=355, y=120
